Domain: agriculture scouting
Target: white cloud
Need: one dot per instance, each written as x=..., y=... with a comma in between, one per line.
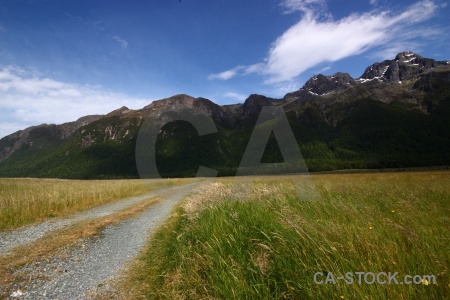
x=123, y=43
x=255, y=68
x=313, y=40
x=373, y=2
x=306, y=6
x=29, y=99
x=309, y=43
x=225, y=75
x=244, y=70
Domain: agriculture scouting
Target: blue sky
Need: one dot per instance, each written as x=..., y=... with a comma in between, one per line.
x=60, y=60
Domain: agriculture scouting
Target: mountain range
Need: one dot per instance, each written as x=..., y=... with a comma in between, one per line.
x=396, y=114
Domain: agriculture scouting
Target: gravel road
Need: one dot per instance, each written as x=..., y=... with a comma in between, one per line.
x=85, y=268
x=28, y=234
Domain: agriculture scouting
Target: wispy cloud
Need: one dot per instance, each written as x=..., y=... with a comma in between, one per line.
x=29, y=98
x=244, y=70
x=225, y=75
x=307, y=6
x=315, y=40
x=123, y=43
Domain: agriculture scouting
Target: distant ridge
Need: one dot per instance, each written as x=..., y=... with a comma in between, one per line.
x=396, y=114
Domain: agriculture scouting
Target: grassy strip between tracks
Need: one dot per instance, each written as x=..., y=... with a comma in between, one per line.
x=269, y=241
x=27, y=200
x=53, y=243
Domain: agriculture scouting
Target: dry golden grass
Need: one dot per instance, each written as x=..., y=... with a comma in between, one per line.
x=267, y=240
x=25, y=200
x=51, y=244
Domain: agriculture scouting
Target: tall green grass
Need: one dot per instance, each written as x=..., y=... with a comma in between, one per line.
x=268, y=244
x=24, y=201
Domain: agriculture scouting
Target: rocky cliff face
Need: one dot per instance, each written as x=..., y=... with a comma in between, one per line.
x=12, y=142
x=405, y=66
x=321, y=85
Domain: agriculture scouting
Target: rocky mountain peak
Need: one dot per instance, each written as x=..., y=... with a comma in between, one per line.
x=120, y=111
x=183, y=101
x=254, y=103
x=321, y=85
x=406, y=66
x=406, y=56
x=89, y=149
x=177, y=100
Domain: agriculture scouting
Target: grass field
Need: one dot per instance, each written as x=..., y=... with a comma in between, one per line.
x=268, y=243
x=24, y=201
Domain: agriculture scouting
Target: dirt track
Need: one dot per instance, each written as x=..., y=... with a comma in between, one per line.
x=81, y=270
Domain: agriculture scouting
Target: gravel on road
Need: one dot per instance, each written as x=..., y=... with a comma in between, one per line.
x=97, y=260
x=31, y=233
